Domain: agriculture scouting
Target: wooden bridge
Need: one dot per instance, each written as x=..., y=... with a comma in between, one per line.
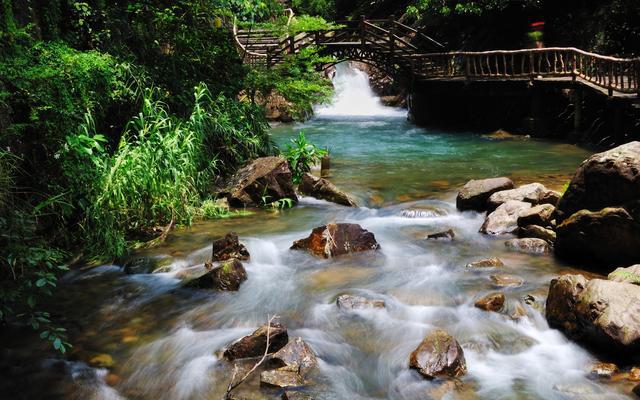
x=405, y=53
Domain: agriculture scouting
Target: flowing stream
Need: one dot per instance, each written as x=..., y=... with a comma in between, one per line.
x=163, y=342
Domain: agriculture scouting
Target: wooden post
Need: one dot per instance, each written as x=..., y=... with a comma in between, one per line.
x=362, y=29
x=467, y=67
x=269, y=57
x=392, y=38
x=317, y=37
x=532, y=65
x=610, y=85
x=292, y=44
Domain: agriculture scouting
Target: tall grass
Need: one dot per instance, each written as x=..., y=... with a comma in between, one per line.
x=164, y=167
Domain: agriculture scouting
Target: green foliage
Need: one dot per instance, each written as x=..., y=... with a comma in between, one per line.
x=162, y=168
x=301, y=155
x=306, y=23
x=322, y=8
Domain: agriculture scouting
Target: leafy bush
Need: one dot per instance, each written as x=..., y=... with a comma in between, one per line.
x=322, y=8
x=301, y=155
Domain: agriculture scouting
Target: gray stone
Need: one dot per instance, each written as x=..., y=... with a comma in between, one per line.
x=474, y=194
x=504, y=219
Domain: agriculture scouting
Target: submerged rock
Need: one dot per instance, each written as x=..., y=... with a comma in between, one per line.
x=445, y=235
x=528, y=245
x=349, y=302
x=337, y=239
x=598, y=312
x=628, y=275
x=504, y=219
x=504, y=280
x=493, y=262
x=541, y=215
x=531, y=193
x=321, y=188
x=228, y=276
x=608, y=236
x=603, y=370
x=229, y=247
x=537, y=232
x=438, y=355
x=145, y=265
x=475, y=193
x=253, y=345
x=491, y=302
x=263, y=180
x=295, y=356
x=608, y=179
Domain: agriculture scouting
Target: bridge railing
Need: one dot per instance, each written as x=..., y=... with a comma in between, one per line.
x=611, y=73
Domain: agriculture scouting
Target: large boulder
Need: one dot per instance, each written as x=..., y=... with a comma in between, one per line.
x=609, y=236
x=504, y=219
x=603, y=313
x=337, y=239
x=475, y=193
x=608, y=179
x=541, y=215
x=628, y=275
x=321, y=188
x=228, y=276
x=532, y=193
x=349, y=302
x=262, y=181
x=229, y=247
x=253, y=345
x=295, y=356
x=438, y=355
x=538, y=232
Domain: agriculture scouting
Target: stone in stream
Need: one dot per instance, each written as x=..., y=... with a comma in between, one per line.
x=253, y=345
x=598, y=312
x=145, y=265
x=537, y=232
x=528, y=245
x=321, y=188
x=636, y=390
x=349, y=302
x=629, y=275
x=608, y=179
x=281, y=378
x=337, y=239
x=290, y=395
x=541, y=215
x=228, y=276
x=493, y=262
x=229, y=247
x=263, y=180
x=504, y=280
x=438, y=355
x=475, y=193
x=295, y=356
x=491, y=302
x=445, y=235
x=610, y=236
x=531, y=193
x=504, y=219
x=603, y=370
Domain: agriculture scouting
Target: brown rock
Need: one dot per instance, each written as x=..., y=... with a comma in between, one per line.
x=493, y=262
x=504, y=219
x=598, y=312
x=491, y=302
x=504, y=280
x=528, y=245
x=551, y=197
x=628, y=275
x=608, y=179
x=608, y=236
x=253, y=345
x=337, y=239
x=321, y=188
x=446, y=235
x=228, y=276
x=295, y=356
x=438, y=355
x=229, y=247
x=636, y=390
x=289, y=395
x=603, y=370
x=349, y=302
x=281, y=378
x=263, y=180
x=542, y=214
x=537, y=232
x=475, y=193
x=531, y=193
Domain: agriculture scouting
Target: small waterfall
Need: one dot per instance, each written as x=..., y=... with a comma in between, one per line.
x=354, y=97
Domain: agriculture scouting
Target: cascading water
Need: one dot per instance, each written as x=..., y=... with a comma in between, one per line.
x=165, y=340
x=354, y=97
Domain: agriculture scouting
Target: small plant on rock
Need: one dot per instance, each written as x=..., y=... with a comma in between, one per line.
x=301, y=155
